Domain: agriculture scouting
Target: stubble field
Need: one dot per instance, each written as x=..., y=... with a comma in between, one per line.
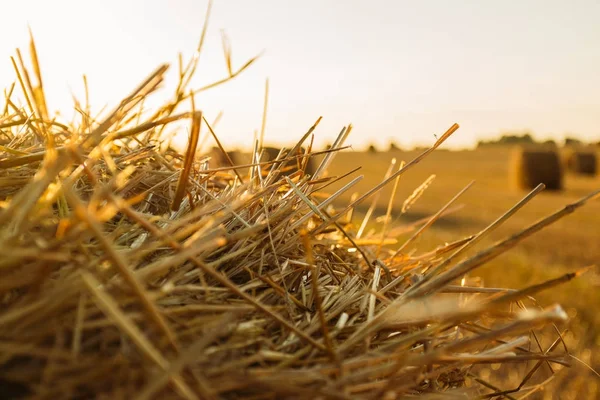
x=568, y=245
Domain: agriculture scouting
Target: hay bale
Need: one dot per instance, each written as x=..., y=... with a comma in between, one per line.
x=269, y=153
x=217, y=159
x=530, y=167
x=291, y=166
x=582, y=162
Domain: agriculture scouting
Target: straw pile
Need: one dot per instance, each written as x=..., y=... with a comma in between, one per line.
x=530, y=167
x=130, y=271
x=581, y=162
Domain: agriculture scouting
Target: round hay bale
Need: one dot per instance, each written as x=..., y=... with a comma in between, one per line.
x=311, y=164
x=235, y=156
x=270, y=153
x=530, y=167
x=291, y=166
x=218, y=159
x=582, y=162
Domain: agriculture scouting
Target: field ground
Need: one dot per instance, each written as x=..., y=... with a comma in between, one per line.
x=570, y=244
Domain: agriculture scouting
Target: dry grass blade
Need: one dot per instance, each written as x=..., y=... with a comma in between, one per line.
x=231, y=76
x=519, y=294
x=27, y=97
x=38, y=91
x=317, y=298
x=150, y=125
x=433, y=218
x=111, y=308
x=263, y=124
x=187, y=358
x=121, y=264
x=416, y=194
x=369, y=212
x=190, y=153
x=497, y=249
x=388, y=213
x=143, y=90
x=479, y=236
x=377, y=188
x=225, y=153
x=339, y=142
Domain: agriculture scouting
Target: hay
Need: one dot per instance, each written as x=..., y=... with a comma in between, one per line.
x=530, y=167
x=295, y=161
x=253, y=287
x=217, y=159
x=582, y=162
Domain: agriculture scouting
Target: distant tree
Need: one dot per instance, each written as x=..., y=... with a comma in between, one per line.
x=372, y=149
x=394, y=147
x=516, y=139
x=569, y=141
x=508, y=139
x=549, y=143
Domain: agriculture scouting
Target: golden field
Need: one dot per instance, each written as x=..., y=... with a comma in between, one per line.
x=567, y=245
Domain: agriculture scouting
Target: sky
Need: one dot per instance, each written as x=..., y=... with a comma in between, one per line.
x=397, y=70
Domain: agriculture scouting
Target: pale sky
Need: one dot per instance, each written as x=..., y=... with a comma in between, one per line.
x=394, y=69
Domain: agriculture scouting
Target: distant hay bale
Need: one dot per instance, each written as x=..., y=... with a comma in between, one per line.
x=582, y=162
x=270, y=153
x=218, y=159
x=290, y=166
x=530, y=167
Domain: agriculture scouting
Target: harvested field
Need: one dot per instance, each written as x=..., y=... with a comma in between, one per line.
x=568, y=245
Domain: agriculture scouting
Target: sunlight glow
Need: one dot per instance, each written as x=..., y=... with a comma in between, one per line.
x=396, y=69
